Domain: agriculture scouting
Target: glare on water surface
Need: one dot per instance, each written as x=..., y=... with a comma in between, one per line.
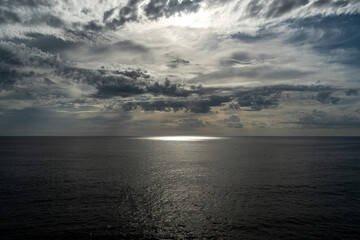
x=182, y=138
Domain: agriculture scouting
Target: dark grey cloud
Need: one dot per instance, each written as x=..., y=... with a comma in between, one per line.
x=53, y=45
x=321, y=3
x=107, y=85
x=243, y=58
x=27, y=3
x=21, y=56
x=268, y=97
x=232, y=122
x=196, y=106
x=168, y=89
x=133, y=73
x=259, y=98
x=8, y=77
x=193, y=123
x=351, y=92
x=128, y=45
x=325, y=97
x=121, y=47
x=233, y=106
x=128, y=13
x=237, y=58
x=324, y=34
x=153, y=10
x=48, y=43
x=258, y=102
x=178, y=61
x=263, y=34
x=108, y=14
x=48, y=81
x=14, y=64
x=166, y=8
x=321, y=119
x=8, y=17
x=8, y=57
x=254, y=7
x=163, y=106
x=125, y=83
x=278, y=8
x=93, y=26
x=332, y=3
x=50, y=20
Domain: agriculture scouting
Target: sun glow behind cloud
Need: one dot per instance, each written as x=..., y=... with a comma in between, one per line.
x=198, y=20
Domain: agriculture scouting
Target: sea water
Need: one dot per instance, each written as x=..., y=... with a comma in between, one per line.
x=202, y=188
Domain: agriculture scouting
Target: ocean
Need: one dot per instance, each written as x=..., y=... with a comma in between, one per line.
x=206, y=188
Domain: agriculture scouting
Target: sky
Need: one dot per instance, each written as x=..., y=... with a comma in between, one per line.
x=172, y=67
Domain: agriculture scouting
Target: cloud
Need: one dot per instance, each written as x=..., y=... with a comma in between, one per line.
x=125, y=83
x=8, y=17
x=261, y=61
x=153, y=10
x=164, y=106
x=169, y=89
x=164, y=8
x=351, y=92
x=128, y=45
x=8, y=77
x=268, y=97
x=278, y=8
x=132, y=82
x=332, y=3
x=122, y=84
x=48, y=43
x=195, y=106
x=128, y=13
x=48, y=19
x=321, y=119
x=8, y=57
x=11, y=16
x=325, y=97
x=22, y=56
x=28, y=3
x=122, y=52
x=193, y=123
x=250, y=72
x=232, y=122
x=254, y=7
x=242, y=58
x=178, y=61
x=93, y=26
x=108, y=14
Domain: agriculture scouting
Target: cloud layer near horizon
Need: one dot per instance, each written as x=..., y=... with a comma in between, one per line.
x=168, y=67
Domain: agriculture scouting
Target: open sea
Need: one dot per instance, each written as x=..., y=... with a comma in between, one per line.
x=157, y=188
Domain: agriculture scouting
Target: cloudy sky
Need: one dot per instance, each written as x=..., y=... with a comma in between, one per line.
x=163, y=67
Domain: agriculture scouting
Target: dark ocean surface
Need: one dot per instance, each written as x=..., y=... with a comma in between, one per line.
x=231, y=188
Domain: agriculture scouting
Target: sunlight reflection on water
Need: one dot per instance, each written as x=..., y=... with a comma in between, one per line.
x=182, y=138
